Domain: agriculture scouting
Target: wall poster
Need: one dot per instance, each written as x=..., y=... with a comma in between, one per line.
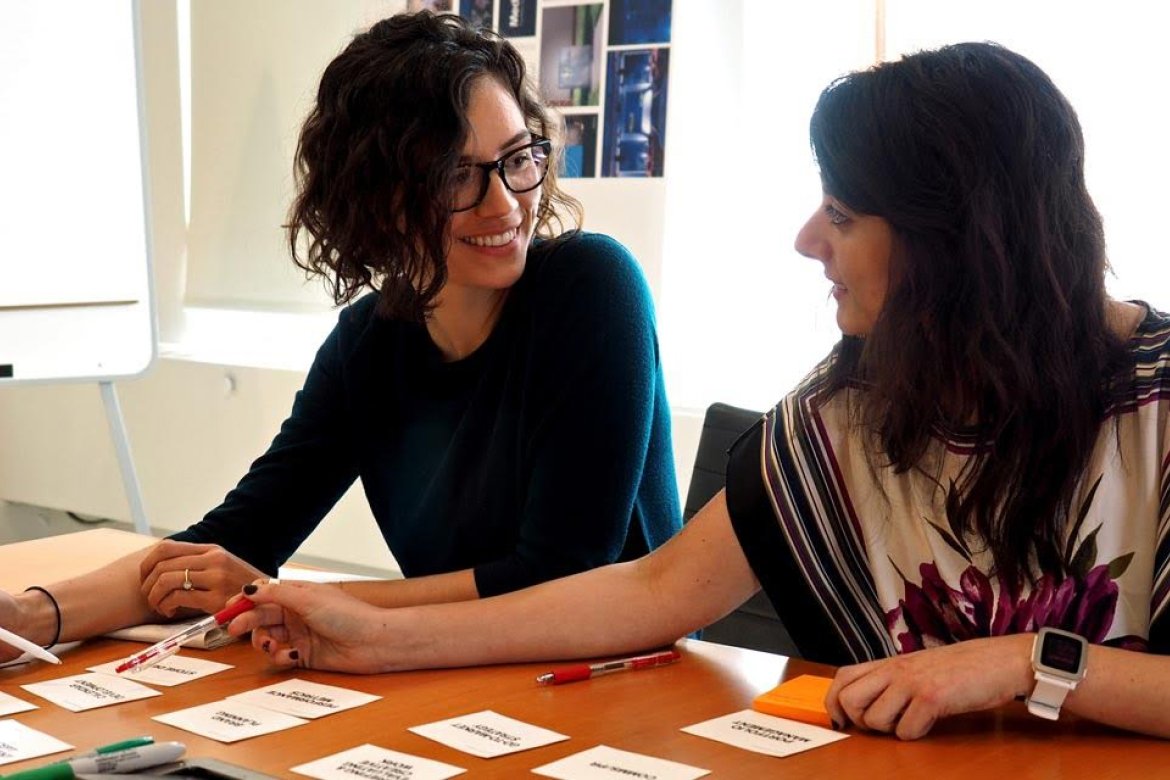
x=603, y=66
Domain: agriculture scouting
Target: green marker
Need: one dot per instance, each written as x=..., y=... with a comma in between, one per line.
x=125, y=744
x=115, y=762
x=61, y=771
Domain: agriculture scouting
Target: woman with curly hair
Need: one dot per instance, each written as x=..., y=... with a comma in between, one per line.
x=499, y=391
x=967, y=502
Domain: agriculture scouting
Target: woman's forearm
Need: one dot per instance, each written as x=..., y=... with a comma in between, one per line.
x=432, y=589
x=90, y=604
x=1125, y=689
x=695, y=578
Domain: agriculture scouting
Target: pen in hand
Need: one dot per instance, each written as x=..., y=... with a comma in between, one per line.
x=33, y=649
x=576, y=672
x=169, y=646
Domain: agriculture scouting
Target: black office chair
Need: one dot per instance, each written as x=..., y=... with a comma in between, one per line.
x=755, y=624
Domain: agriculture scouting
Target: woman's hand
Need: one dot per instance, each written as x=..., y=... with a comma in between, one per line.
x=214, y=574
x=906, y=694
x=314, y=626
x=10, y=618
x=31, y=615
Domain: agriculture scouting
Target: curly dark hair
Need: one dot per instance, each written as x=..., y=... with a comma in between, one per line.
x=997, y=312
x=376, y=155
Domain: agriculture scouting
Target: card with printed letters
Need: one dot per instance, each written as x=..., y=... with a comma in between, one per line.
x=487, y=734
x=229, y=721
x=606, y=763
x=90, y=691
x=369, y=762
x=10, y=705
x=19, y=742
x=175, y=670
x=305, y=699
x=767, y=734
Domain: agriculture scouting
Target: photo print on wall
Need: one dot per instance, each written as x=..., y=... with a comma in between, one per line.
x=571, y=55
x=478, y=12
x=603, y=66
x=517, y=18
x=580, y=158
x=639, y=22
x=438, y=6
x=635, y=113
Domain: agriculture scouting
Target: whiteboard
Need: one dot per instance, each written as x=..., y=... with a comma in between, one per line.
x=75, y=280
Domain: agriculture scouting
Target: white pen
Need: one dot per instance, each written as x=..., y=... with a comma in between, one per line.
x=124, y=763
x=129, y=761
x=33, y=649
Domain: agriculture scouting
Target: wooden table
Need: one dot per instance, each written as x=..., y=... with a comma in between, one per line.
x=638, y=711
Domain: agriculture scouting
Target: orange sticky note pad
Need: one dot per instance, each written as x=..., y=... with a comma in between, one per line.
x=801, y=698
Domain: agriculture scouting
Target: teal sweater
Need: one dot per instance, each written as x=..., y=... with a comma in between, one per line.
x=545, y=452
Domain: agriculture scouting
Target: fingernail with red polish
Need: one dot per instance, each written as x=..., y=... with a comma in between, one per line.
x=250, y=589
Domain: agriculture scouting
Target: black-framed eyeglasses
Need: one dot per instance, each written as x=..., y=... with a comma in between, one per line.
x=521, y=170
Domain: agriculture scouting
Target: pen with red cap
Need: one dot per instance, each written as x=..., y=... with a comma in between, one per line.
x=576, y=672
x=169, y=646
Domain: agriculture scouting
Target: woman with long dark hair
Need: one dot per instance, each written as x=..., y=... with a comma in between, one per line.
x=966, y=502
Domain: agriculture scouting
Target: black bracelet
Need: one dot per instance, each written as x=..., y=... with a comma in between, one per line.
x=56, y=609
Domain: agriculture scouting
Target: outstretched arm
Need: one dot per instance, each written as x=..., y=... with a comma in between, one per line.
x=695, y=578
x=91, y=604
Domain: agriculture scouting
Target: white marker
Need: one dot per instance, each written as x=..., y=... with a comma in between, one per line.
x=33, y=649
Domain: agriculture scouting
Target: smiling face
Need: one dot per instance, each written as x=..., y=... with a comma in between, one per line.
x=855, y=250
x=488, y=244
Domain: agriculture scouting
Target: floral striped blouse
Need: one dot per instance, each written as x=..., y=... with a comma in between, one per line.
x=862, y=563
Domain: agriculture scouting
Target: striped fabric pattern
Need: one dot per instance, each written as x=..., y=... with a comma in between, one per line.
x=817, y=505
x=1153, y=386
x=818, y=520
x=1161, y=595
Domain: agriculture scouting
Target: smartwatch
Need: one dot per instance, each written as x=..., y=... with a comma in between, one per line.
x=1058, y=660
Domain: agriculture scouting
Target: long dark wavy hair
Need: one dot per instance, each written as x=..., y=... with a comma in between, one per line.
x=376, y=155
x=995, y=323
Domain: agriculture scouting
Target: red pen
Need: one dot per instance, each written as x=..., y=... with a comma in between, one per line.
x=169, y=646
x=569, y=674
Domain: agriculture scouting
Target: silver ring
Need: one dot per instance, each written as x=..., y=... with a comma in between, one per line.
x=187, y=584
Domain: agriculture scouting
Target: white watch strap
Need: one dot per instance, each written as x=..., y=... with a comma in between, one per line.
x=1048, y=695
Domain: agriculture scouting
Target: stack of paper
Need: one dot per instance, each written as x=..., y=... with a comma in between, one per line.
x=151, y=633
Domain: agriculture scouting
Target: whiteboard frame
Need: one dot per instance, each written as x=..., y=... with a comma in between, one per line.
x=84, y=328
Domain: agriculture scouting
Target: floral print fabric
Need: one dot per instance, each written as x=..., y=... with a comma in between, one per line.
x=887, y=567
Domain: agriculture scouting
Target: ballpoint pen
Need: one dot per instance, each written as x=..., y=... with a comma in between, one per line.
x=118, y=762
x=32, y=648
x=585, y=671
x=169, y=646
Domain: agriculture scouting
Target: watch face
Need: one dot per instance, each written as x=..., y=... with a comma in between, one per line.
x=1061, y=652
